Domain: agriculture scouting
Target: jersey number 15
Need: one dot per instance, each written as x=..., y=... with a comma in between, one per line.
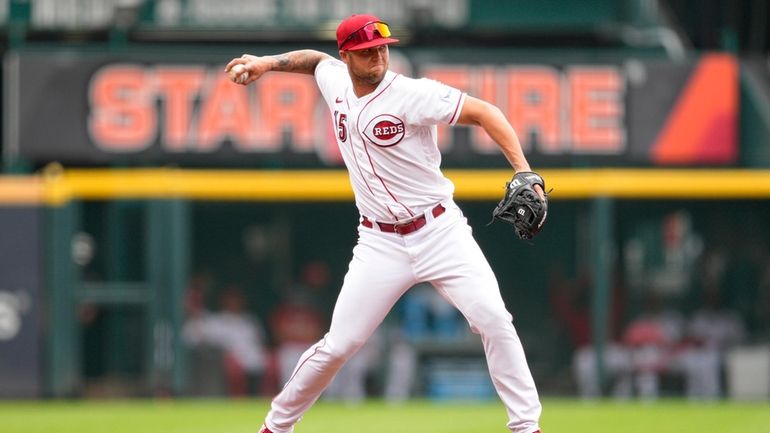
x=340, y=119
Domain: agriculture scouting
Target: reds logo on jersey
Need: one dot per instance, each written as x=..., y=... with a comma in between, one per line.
x=385, y=130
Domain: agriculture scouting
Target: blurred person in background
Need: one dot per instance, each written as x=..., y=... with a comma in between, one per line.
x=299, y=320
x=571, y=304
x=239, y=336
x=402, y=367
x=196, y=310
x=712, y=330
x=203, y=353
x=653, y=338
x=243, y=339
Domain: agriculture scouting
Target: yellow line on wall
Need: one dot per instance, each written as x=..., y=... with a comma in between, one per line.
x=245, y=185
x=57, y=187
x=21, y=191
x=661, y=183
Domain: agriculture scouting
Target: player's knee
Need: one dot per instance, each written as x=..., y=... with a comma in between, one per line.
x=493, y=320
x=341, y=350
x=496, y=327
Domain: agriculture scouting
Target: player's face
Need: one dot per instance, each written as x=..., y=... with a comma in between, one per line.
x=368, y=65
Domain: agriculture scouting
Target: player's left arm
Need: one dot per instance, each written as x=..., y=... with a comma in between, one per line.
x=481, y=113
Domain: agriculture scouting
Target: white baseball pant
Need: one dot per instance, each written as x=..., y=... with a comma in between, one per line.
x=383, y=267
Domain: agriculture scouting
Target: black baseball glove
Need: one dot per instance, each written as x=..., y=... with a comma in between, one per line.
x=521, y=206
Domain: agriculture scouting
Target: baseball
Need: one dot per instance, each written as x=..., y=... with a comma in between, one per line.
x=238, y=74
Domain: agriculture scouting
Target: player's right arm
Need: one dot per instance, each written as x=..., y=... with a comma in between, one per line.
x=300, y=61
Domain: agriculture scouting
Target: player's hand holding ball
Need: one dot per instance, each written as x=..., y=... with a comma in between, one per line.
x=247, y=68
x=238, y=74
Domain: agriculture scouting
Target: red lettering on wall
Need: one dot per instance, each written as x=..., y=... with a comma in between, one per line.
x=534, y=106
x=178, y=88
x=596, y=110
x=580, y=111
x=224, y=114
x=123, y=117
x=194, y=108
x=288, y=102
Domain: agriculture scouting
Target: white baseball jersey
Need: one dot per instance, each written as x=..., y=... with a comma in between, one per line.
x=388, y=139
x=388, y=142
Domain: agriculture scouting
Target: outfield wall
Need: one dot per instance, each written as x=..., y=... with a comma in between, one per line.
x=149, y=230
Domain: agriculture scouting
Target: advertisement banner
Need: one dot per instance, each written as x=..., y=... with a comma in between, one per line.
x=91, y=109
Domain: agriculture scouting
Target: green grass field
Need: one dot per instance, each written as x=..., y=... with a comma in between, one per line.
x=244, y=416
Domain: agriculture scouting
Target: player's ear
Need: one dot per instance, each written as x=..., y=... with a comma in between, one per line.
x=344, y=56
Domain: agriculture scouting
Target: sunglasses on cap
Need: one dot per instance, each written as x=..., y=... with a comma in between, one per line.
x=367, y=33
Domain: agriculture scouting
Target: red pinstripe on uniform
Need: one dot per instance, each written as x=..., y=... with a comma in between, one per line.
x=363, y=140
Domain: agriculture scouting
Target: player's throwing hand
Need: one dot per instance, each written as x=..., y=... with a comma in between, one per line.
x=247, y=68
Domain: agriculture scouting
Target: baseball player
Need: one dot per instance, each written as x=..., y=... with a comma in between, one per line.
x=410, y=228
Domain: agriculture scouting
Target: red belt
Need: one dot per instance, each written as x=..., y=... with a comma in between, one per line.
x=407, y=227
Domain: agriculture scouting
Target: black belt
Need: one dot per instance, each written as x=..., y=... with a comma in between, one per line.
x=406, y=227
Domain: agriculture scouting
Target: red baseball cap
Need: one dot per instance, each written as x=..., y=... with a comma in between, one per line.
x=358, y=32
